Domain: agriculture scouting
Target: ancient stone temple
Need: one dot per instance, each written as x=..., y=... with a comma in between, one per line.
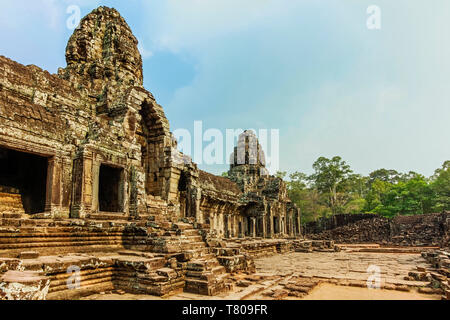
x=247, y=203
x=88, y=165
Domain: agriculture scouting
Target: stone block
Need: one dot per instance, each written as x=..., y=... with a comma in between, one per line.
x=29, y=255
x=23, y=285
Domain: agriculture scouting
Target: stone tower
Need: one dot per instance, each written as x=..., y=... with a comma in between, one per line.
x=248, y=161
x=102, y=56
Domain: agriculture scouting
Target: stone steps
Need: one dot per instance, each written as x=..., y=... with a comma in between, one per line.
x=54, y=236
x=195, y=269
x=137, y=272
x=26, y=222
x=109, y=216
x=11, y=202
x=204, y=275
x=12, y=215
x=203, y=272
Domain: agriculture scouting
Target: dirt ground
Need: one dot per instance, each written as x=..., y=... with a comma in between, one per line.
x=327, y=291
x=337, y=275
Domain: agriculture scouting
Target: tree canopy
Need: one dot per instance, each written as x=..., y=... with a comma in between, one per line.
x=334, y=188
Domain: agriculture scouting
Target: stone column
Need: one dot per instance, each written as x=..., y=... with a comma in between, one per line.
x=95, y=185
x=67, y=167
x=264, y=226
x=197, y=197
x=271, y=226
x=229, y=228
x=54, y=187
x=82, y=188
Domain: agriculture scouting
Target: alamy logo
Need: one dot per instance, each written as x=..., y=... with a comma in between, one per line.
x=74, y=279
x=75, y=16
x=374, y=19
x=212, y=146
x=374, y=279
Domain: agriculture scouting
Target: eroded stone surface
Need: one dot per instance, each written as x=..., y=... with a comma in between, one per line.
x=23, y=285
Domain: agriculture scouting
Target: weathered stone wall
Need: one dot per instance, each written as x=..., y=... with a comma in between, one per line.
x=335, y=221
x=94, y=112
x=420, y=230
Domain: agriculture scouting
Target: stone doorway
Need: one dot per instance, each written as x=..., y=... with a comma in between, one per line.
x=276, y=225
x=23, y=182
x=110, y=189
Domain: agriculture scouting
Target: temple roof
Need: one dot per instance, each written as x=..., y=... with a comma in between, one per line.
x=104, y=47
x=220, y=184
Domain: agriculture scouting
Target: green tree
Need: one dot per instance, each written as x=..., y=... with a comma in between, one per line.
x=385, y=175
x=412, y=197
x=281, y=174
x=329, y=179
x=405, y=177
x=357, y=185
x=306, y=198
x=375, y=196
x=441, y=187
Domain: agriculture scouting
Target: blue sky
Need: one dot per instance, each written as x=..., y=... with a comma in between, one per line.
x=310, y=68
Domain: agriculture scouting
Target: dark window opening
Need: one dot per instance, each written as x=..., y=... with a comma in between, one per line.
x=182, y=183
x=276, y=227
x=23, y=182
x=110, y=189
x=249, y=226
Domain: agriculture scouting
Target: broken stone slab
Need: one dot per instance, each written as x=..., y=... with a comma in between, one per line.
x=254, y=278
x=427, y=290
x=7, y=264
x=404, y=288
x=421, y=269
x=24, y=285
x=244, y=283
x=280, y=294
x=297, y=288
x=167, y=272
x=29, y=255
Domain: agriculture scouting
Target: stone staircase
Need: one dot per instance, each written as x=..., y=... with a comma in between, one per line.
x=20, y=233
x=124, y=271
x=154, y=254
x=10, y=201
x=157, y=207
x=203, y=273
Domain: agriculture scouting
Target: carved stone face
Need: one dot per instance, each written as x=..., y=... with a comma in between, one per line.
x=104, y=47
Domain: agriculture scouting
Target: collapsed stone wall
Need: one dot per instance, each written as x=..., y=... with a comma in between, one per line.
x=421, y=230
x=335, y=221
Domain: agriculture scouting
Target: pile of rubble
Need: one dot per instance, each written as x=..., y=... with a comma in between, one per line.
x=439, y=274
x=234, y=260
x=421, y=230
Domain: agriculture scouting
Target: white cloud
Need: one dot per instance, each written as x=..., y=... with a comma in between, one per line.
x=144, y=52
x=192, y=24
